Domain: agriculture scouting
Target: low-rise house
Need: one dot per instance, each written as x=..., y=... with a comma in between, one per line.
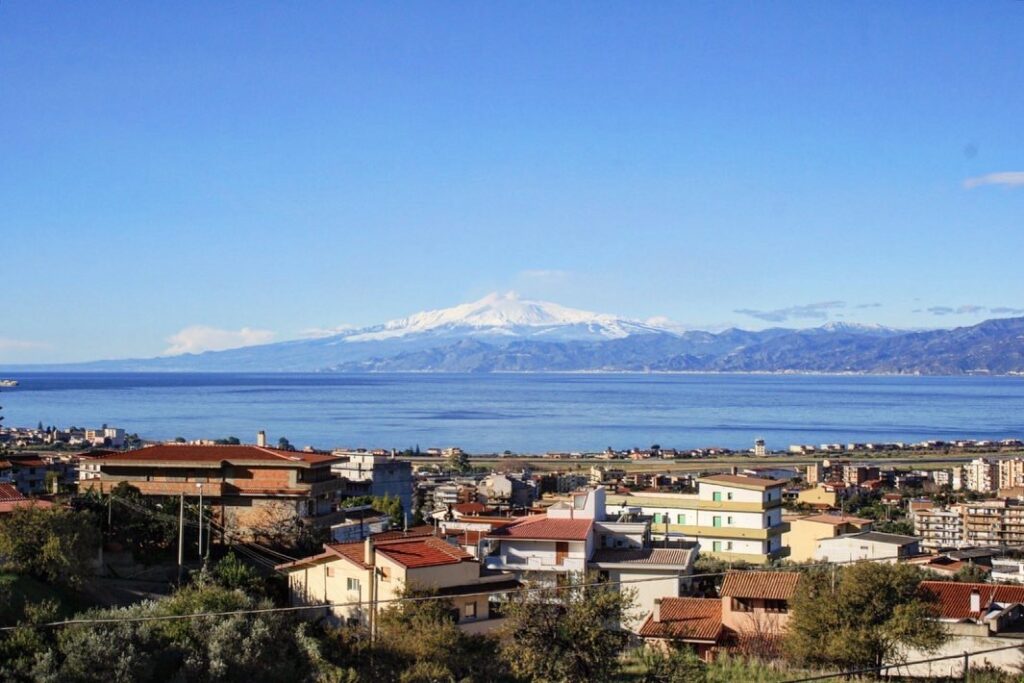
x=867, y=545
x=11, y=499
x=26, y=472
x=652, y=573
x=976, y=617
x=355, y=581
x=751, y=615
x=1007, y=570
x=805, y=532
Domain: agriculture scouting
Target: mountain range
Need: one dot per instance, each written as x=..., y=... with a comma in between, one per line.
x=503, y=333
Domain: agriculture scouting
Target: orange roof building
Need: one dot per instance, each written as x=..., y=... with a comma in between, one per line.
x=254, y=491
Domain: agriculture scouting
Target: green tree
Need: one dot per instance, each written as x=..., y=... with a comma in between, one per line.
x=440, y=650
x=458, y=461
x=284, y=444
x=972, y=573
x=52, y=544
x=566, y=633
x=241, y=647
x=860, y=616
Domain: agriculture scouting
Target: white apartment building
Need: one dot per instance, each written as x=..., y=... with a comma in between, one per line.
x=1011, y=473
x=981, y=475
x=732, y=517
x=940, y=527
x=1007, y=570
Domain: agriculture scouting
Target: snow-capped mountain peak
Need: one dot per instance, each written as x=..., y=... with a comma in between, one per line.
x=506, y=314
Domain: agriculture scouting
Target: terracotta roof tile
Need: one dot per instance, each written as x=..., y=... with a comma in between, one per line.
x=9, y=493
x=544, y=528
x=754, y=584
x=187, y=453
x=953, y=599
x=652, y=556
x=423, y=552
x=469, y=508
x=686, y=619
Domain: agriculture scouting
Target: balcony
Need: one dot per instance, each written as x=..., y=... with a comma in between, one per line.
x=512, y=563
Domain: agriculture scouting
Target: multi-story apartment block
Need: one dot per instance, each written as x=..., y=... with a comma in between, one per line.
x=993, y=523
x=981, y=475
x=253, y=491
x=1011, y=473
x=940, y=527
x=732, y=517
x=855, y=475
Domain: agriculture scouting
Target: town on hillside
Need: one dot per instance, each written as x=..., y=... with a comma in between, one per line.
x=750, y=569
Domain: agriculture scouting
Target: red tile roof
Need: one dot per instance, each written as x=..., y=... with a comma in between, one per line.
x=544, y=528
x=766, y=585
x=953, y=599
x=172, y=453
x=686, y=619
x=413, y=531
x=9, y=493
x=426, y=551
x=11, y=505
x=469, y=508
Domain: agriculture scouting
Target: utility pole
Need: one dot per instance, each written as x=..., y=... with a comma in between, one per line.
x=110, y=500
x=200, y=487
x=181, y=538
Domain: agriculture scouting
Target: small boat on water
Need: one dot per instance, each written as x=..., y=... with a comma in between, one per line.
x=8, y=382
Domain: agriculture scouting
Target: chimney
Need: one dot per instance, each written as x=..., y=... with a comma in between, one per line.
x=368, y=552
x=261, y=439
x=975, y=600
x=657, y=610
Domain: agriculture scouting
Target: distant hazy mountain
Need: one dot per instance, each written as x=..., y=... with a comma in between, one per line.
x=502, y=333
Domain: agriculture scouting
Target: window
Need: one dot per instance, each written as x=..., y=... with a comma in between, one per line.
x=728, y=520
x=469, y=610
x=776, y=606
x=742, y=605
x=352, y=585
x=728, y=545
x=716, y=521
x=657, y=518
x=716, y=496
x=716, y=546
x=680, y=519
x=729, y=496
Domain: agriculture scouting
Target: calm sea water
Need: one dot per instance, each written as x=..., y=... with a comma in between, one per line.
x=525, y=413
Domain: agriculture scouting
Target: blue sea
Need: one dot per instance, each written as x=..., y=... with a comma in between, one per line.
x=525, y=413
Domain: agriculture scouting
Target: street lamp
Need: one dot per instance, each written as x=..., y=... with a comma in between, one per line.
x=200, y=487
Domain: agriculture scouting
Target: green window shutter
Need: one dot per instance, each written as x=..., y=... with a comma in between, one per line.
x=716, y=521
x=716, y=546
x=680, y=519
x=716, y=496
x=657, y=518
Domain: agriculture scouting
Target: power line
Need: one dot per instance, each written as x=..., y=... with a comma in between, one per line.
x=885, y=667
x=326, y=605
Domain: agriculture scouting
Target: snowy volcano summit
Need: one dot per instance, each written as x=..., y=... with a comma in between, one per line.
x=504, y=333
x=506, y=315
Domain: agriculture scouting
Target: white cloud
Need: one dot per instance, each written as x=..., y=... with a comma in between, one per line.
x=1005, y=178
x=8, y=344
x=320, y=332
x=199, y=338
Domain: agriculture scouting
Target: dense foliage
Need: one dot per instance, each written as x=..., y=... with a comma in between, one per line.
x=860, y=616
x=52, y=544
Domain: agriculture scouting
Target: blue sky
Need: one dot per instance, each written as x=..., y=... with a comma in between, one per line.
x=258, y=170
